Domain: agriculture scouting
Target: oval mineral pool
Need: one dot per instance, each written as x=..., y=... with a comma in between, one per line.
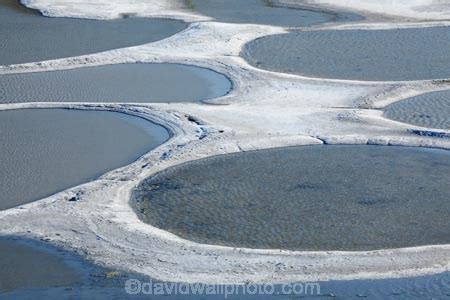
x=267, y=12
x=116, y=83
x=43, y=151
x=27, y=36
x=430, y=110
x=371, y=55
x=305, y=198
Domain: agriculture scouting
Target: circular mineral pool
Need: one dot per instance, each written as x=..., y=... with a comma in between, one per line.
x=27, y=36
x=370, y=55
x=116, y=83
x=430, y=110
x=305, y=198
x=44, y=151
x=267, y=12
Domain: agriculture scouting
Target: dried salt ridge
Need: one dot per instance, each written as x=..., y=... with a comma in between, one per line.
x=266, y=109
x=402, y=10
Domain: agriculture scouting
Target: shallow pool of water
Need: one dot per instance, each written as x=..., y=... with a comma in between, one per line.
x=266, y=12
x=116, y=83
x=27, y=36
x=43, y=151
x=430, y=110
x=371, y=55
x=32, y=269
x=25, y=266
x=305, y=198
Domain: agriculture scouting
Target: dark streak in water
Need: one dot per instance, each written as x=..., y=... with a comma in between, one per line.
x=266, y=12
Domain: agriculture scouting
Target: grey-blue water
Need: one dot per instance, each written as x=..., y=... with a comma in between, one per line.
x=305, y=198
x=44, y=151
x=430, y=110
x=116, y=83
x=32, y=269
x=371, y=55
x=267, y=12
x=26, y=36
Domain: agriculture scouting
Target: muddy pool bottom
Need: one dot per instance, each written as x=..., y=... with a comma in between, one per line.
x=305, y=198
x=431, y=110
x=31, y=269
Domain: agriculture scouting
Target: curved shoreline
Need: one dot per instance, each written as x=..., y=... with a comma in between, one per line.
x=313, y=111
x=306, y=198
x=426, y=110
x=124, y=83
x=49, y=150
x=22, y=27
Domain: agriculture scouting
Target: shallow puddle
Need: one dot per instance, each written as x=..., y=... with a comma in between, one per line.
x=430, y=110
x=27, y=36
x=43, y=151
x=305, y=198
x=31, y=269
x=371, y=55
x=426, y=287
x=267, y=12
x=25, y=266
x=116, y=83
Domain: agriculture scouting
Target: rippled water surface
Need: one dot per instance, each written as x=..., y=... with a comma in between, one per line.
x=428, y=110
x=305, y=198
x=116, y=83
x=372, y=55
x=43, y=151
x=26, y=36
x=265, y=12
